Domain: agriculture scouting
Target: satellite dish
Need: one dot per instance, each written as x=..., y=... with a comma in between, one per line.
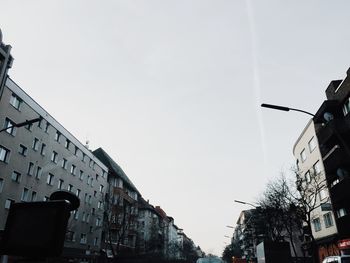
x=328, y=116
x=342, y=173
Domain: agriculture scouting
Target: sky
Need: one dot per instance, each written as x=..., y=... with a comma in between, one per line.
x=171, y=89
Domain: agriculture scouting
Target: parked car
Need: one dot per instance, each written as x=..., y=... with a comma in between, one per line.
x=337, y=259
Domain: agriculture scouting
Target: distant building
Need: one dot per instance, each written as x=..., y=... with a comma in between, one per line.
x=121, y=207
x=309, y=161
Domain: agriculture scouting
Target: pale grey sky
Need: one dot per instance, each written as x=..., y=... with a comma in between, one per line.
x=171, y=90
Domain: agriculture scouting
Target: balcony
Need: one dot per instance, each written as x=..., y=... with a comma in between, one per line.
x=340, y=192
x=343, y=225
x=122, y=193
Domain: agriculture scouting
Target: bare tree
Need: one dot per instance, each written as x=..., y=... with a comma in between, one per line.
x=280, y=213
x=288, y=206
x=118, y=218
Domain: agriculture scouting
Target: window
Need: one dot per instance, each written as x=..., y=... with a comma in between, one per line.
x=346, y=106
x=30, y=171
x=60, y=184
x=81, y=175
x=47, y=127
x=67, y=143
x=307, y=177
x=83, y=158
x=57, y=136
x=77, y=193
x=99, y=205
x=76, y=149
x=33, y=198
x=317, y=224
x=70, y=188
x=73, y=169
x=29, y=127
x=95, y=241
x=42, y=150
x=40, y=123
x=1, y=184
x=87, y=218
x=70, y=236
x=64, y=163
x=88, y=180
x=49, y=180
x=317, y=167
x=93, y=211
x=341, y=212
x=91, y=163
x=10, y=125
x=4, y=154
x=89, y=200
x=24, y=196
x=16, y=176
x=38, y=172
x=303, y=155
x=82, y=238
x=91, y=229
x=22, y=150
x=323, y=194
x=98, y=222
x=8, y=203
x=86, y=198
x=76, y=214
x=54, y=157
x=15, y=101
x=91, y=181
x=83, y=218
x=312, y=144
x=328, y=220
x=35, y=144
x=95, y=193
x=101, y=188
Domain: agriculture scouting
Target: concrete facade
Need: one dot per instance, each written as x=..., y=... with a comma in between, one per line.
x=308, y=146
x=43, y=158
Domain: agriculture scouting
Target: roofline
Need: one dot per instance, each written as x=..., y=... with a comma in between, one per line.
x=301, y=135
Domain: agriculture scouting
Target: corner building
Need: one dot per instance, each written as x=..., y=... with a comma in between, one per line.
x=332, y=123
x=44, y=157
x=309, y=161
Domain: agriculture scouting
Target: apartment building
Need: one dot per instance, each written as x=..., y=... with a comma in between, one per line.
x=41, y=158
x=311, y=172
x=332, y=125
x=121, y=206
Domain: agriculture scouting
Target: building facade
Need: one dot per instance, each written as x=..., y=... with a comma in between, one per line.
x=121, y=209
x=312, y=173
x=44, y=157
x=332, y=125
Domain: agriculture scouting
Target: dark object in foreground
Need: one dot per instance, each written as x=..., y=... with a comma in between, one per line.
x=273, y=252
x=37, y=229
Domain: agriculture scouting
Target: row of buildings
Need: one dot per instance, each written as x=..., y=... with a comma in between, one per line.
x=36, y=160
x=322, y=154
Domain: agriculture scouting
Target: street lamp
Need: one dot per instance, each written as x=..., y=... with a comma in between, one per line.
x=21, y=124
x=245, y=203
x=283, y=108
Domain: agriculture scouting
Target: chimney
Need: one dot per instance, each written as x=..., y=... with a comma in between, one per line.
x=332, y=88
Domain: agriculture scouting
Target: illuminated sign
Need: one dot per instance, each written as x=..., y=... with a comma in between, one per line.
x=344, y=244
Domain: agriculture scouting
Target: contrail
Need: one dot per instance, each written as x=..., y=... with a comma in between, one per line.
x=256, y=77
